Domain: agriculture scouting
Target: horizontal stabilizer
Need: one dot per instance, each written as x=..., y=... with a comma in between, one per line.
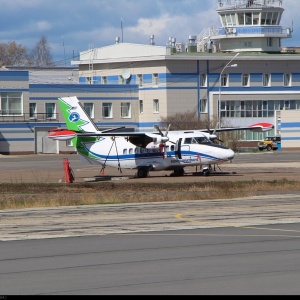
x=259, y=127
x=61, y=134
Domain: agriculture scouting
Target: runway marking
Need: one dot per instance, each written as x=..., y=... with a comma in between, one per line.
x=212, y=235
x=273, y=208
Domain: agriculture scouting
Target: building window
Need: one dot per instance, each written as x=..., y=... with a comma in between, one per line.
x=121, y=80
x=224, y=80
x=103, y=80
x=155, y=79
x=287, y=105
x=125, y=110
x=50, y=110
x=267, y=80
x=141, y=106
x=246, y=80
x=32, y=111
x=89, y=108
x=248, y=44
x=203, y=80
x=156, y=106
x=107, y=110
x=140, y=80
x=256, y=108
x=287, y=80
x=89, y=80
x=11, y=104
x=203, y=106
x=270, y=42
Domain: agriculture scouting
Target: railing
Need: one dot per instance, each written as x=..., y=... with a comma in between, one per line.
x=236, y=4
x=39, y=118
x=260, y=30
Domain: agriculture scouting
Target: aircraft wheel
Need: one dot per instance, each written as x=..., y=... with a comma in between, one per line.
x=206, y=173
x=178, y=173
x=142, y=173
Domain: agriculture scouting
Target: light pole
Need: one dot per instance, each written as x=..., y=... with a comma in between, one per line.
x=220, y=85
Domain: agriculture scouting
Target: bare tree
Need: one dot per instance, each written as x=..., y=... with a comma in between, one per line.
x=183, y=121
x=41, y=54
x=12, y=54
x=190, y=121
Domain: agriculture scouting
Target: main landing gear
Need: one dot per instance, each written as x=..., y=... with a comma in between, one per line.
x=142, y=173
x=178, y=173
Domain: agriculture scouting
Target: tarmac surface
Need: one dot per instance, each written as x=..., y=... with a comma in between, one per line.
x=245, y=167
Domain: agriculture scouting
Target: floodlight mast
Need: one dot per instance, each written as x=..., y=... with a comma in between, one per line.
x=220, y=85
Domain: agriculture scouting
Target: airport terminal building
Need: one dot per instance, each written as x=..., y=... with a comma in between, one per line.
x=239, y=74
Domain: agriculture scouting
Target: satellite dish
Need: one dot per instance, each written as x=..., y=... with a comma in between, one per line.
x=126, y=74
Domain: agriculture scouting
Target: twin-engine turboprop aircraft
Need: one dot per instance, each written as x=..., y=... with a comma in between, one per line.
x=143, y=151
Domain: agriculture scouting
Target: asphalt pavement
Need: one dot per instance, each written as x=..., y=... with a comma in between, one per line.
x=50, y=169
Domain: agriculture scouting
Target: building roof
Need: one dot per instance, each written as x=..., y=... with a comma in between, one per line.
x=50, y=75
x=136, y=53
x=125, y=51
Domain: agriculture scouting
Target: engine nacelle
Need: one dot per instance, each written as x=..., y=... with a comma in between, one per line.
x=160, y=140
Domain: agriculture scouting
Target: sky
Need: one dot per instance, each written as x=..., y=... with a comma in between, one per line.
x=73, y=26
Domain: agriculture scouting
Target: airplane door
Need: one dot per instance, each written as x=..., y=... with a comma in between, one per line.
x=186, y=152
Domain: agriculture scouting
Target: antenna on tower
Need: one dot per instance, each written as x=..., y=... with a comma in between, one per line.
x=122, y=31
x=63, y=44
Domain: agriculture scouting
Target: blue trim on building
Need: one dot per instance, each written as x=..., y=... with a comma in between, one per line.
x=82, y=88
x=11, y=90
x=14, y=76
x=88, y=98
x=256, y=78
x=16, y=140
x=290, y=125
x=291, y=139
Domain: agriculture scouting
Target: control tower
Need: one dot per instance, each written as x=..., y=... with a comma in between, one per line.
x=250, y=26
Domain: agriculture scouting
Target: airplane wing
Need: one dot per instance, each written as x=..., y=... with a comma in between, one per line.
x=259, y=127
x=140, y=139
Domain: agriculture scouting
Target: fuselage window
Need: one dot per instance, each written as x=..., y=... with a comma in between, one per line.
x=188, y=141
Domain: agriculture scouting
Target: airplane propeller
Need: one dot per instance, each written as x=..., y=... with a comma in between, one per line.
x=213, y=137
x=164, y=139
x=163, y=144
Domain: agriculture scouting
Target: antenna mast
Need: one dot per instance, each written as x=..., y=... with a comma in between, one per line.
x=122, y=30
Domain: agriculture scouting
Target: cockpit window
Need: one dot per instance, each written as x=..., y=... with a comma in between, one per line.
x=203, y=140
x=197, y=140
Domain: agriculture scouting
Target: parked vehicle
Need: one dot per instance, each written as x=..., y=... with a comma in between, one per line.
x=270, y=143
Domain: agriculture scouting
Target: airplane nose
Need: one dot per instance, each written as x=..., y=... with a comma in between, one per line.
x=230, y=155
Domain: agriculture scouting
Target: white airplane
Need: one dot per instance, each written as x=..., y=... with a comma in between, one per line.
x=143, y=151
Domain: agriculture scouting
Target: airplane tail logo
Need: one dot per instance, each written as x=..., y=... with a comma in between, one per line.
x=75, y=116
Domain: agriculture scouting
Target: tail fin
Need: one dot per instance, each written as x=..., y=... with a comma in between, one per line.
x=75, y=116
